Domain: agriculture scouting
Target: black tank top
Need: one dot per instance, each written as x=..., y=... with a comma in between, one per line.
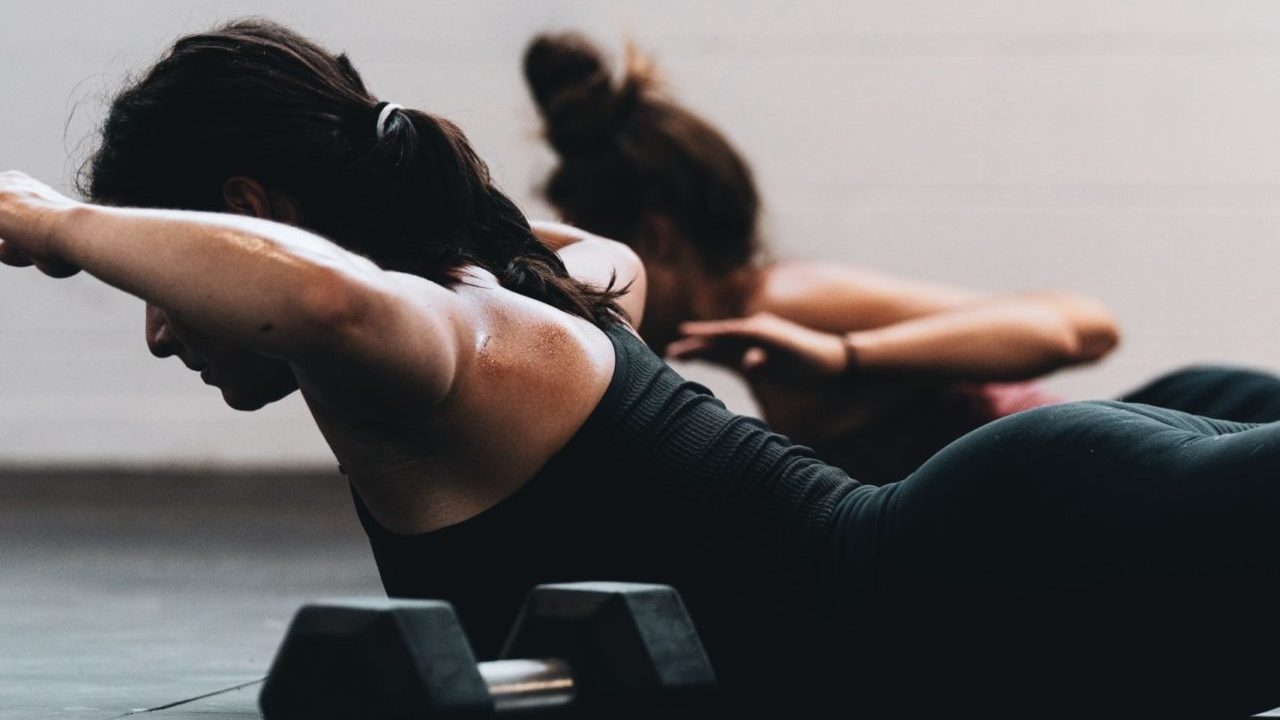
x=661, y=484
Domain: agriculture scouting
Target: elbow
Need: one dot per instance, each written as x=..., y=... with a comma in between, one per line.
x=1097, y=332
x=1088, y=330
x=1075, y=346
x=1097, y=342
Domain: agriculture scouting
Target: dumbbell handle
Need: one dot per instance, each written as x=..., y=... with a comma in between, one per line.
x=525, y=685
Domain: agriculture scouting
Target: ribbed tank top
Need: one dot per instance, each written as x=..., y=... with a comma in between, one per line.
x=660, y=484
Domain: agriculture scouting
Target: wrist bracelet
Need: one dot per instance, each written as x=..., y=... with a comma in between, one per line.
x=850, y=358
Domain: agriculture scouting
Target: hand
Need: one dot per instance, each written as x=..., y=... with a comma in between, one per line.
x=764, y=344
x=29, y=210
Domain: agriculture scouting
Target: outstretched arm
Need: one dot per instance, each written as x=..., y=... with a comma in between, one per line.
x=270, y=287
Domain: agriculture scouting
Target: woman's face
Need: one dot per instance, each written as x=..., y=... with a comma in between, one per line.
x=248, y=381
x=665, y=303
x=673, y=274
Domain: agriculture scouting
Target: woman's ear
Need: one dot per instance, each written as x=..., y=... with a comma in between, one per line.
x=246, y=196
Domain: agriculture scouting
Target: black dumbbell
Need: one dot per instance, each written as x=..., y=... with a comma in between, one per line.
x=612, y=650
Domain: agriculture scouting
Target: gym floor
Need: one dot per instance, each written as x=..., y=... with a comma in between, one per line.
x=124, y=593
x=164, y=595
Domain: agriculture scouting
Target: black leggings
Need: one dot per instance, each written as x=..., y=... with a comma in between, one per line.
x=1227, y=393
x=1087, y=559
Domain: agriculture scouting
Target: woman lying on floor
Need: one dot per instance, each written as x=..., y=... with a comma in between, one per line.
x=931, y=362
x=501, y=425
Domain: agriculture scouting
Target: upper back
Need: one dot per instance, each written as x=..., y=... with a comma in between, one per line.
x=661, y=483
x=528, y=375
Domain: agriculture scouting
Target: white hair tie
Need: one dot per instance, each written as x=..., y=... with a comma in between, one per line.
x=385, y=116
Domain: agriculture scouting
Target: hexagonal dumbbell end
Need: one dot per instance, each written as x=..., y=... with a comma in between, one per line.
x=381, y=659
x=632, y=648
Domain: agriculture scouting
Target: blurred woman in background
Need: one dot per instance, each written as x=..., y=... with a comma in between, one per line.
x=927, y=362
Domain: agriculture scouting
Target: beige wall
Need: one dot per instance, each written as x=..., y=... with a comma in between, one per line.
x=1126, y=149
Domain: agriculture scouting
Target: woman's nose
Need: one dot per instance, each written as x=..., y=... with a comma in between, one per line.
x=160, y=337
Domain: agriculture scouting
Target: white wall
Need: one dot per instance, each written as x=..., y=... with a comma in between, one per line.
x=1130, y=150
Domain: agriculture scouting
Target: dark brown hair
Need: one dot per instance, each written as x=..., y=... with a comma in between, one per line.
x=626, y=152
x=254, y=98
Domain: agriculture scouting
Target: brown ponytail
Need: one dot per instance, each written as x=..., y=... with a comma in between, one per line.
x=254, y=98
x=627, y=152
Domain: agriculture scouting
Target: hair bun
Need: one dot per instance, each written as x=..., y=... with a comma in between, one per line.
x=573, y=86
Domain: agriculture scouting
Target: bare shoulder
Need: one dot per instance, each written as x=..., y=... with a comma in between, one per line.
x=518, y=337
x=399, y=345
x=488, y=373
x=790, y=281
x=499, y=334
x=535, y=375
x=524, y=378
x=598, y=261
x=493, y=331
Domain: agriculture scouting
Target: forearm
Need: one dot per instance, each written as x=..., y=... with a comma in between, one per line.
x=1010, y=339
x=269, y=286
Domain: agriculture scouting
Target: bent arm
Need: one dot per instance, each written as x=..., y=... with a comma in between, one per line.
x=910, y=327
x=1001, y=338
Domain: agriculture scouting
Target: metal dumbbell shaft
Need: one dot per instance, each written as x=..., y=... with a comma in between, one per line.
x=634, y=647
x=527, y=685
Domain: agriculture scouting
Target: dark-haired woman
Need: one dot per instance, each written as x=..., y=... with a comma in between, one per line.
x=930, y=361
x=501, y=426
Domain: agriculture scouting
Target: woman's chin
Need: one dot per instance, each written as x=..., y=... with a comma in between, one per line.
x=256, y=397
x=244, y=403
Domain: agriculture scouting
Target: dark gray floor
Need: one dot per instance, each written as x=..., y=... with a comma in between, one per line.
x=133, y=591
x=120, y=593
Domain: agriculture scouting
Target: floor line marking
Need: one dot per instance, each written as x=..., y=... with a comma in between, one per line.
x=166, y=706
